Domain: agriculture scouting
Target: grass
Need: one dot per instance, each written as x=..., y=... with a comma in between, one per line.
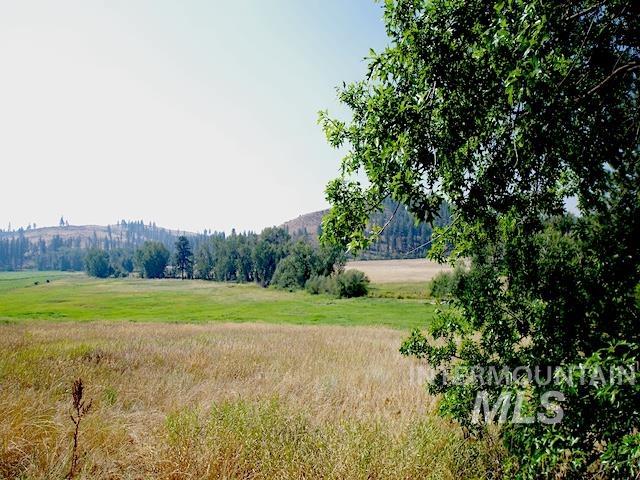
x=76, y=297
x=204, y=380
x=405, y=290
x=253, y=401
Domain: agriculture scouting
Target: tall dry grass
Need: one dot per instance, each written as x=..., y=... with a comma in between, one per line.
x=222, y=401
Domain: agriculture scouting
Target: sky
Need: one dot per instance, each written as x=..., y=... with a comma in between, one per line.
x=191, y=114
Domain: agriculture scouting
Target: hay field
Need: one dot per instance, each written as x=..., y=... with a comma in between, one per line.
x=181, y=401
x=399, y=271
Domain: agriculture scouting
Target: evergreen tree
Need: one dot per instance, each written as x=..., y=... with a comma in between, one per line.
x=183, y=257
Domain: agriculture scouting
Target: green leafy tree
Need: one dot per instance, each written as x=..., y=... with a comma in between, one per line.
x=504, y=110
x=295, y=269
x=204, y=261
x=97, y=263
x=152, y=259
x=183, y=257
x=271, y=247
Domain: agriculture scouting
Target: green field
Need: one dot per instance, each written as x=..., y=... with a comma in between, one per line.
x=238, y=381
x=76, y=297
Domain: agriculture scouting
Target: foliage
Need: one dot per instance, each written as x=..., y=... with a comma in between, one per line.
x=504, y=110
x=295, y=269
x=271, y=247
x=97, y=263
x=352, y=283
x=321, y=284
x=121, y=262
x=183, y=257
x=445, y=284
x=305, y=262
x=349, y=284
x=152, y=259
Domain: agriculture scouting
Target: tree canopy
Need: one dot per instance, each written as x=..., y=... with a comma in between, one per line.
x=152, y=259
x=97, y=263
x=183, y=257
x=505, y=110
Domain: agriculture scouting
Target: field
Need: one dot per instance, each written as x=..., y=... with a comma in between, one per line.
x=76, y=297
x=202, y=380
x=399, y=271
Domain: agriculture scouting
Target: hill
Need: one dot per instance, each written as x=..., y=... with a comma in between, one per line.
x=64, y=247
x=88, y=235
x=306, y=226
x=403, y=237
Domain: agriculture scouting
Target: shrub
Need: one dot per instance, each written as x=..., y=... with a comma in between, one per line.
x=444, y=284
x=321, y=284
x=289, y=274
x=352, y=283
x=305, y=262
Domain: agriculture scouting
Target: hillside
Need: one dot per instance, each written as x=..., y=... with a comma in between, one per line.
x=64, y=247
x=87, y=235
x=306, y=226
x=402, y=238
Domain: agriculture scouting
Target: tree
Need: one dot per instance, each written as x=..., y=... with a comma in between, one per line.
x=97, y=263
x=295, y=269
x=504, y=110
x=152, y=259
x=204, y=261
x=272, y=246
x=184, y=257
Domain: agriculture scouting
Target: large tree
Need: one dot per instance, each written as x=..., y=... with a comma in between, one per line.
x=183, y=257
x=97, y=263
x=506, y=110
x=271, y=247
x=151, y=258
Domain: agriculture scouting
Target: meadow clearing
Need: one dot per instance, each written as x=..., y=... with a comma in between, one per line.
x=202, y=380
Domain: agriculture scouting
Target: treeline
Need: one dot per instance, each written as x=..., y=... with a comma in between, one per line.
x=68, y=252
x=218, y=256
x=270, y=258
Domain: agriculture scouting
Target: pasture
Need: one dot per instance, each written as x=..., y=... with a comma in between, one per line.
x=76, y=297
x=202, y=380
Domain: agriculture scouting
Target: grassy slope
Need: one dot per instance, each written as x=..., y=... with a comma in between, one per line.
x=75, y=297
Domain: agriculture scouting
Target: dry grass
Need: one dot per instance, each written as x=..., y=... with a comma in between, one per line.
x=221, y=401
x=399, y=271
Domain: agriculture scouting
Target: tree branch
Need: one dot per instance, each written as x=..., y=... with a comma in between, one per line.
x=624, y=68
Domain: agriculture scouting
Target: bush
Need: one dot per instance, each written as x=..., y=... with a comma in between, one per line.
x=352, y=283
x=305, y=262
x=289, y=274
x=444, y=284
x=320, y=284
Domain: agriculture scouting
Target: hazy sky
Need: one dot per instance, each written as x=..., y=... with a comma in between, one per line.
x=192, y=114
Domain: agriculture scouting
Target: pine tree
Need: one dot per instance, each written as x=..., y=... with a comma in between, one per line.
x=184, y=256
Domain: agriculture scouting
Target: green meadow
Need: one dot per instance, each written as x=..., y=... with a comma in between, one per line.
x=27, y=296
